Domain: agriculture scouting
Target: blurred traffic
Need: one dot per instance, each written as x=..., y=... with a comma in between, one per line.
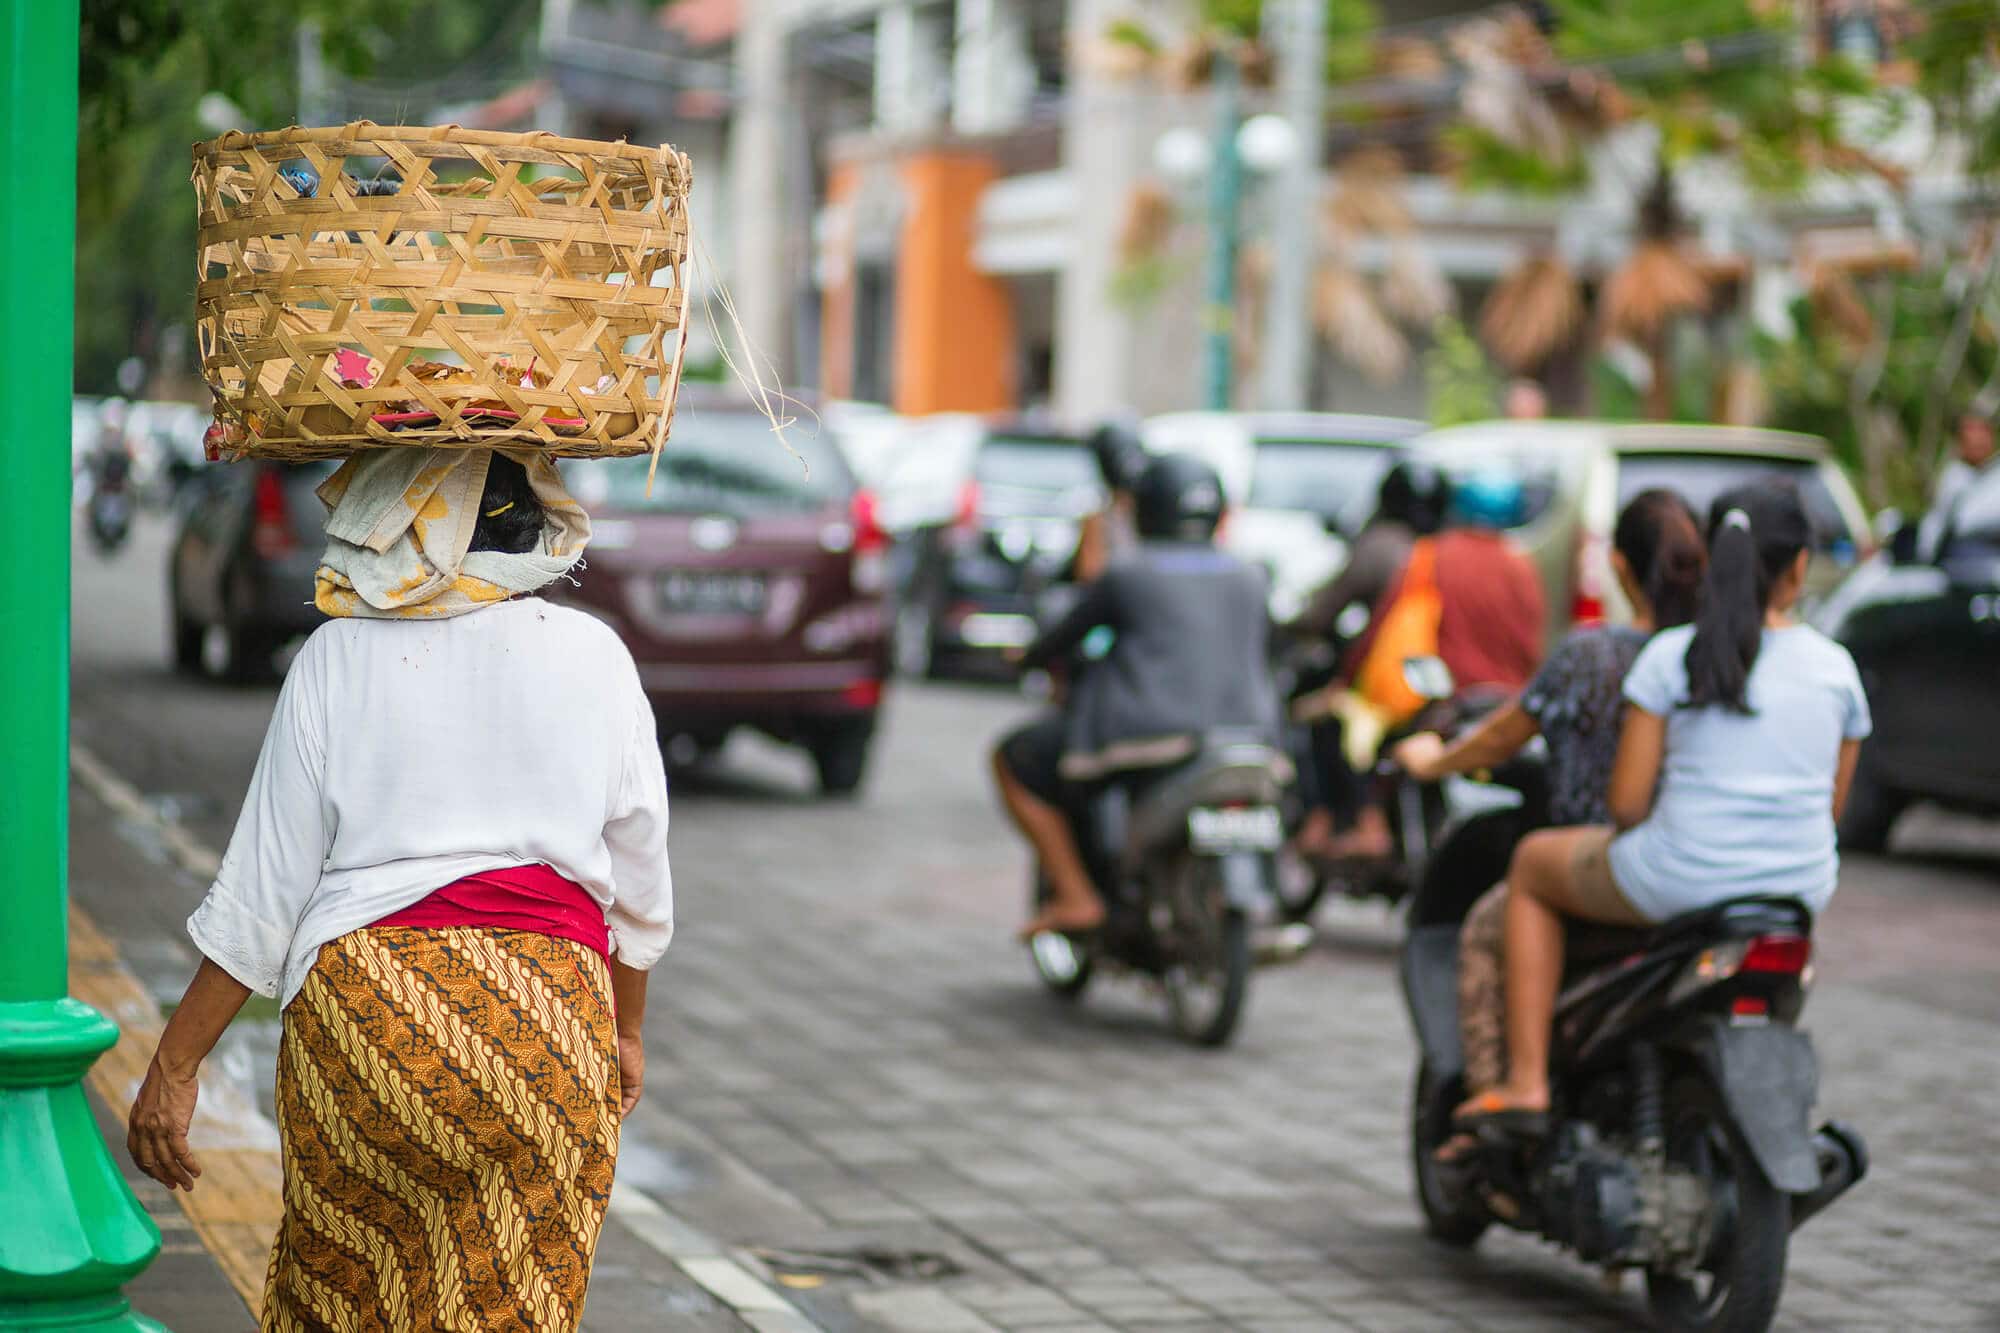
x=777, y=578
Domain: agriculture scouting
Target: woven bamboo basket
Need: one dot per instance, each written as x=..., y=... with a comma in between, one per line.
x=371, y=285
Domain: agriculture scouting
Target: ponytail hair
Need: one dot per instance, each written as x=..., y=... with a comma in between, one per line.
x=1755, y=532
x=1660, y=538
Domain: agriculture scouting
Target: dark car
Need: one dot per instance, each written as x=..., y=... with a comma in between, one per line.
x=1923, y=622
x=975, y=582
x=240, y=574
x=749, y=584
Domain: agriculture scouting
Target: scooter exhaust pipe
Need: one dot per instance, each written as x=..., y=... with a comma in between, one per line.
x=1843, y=1161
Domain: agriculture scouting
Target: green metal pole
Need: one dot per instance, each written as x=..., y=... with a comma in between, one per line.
x=1224, y=189
x=71, y=1231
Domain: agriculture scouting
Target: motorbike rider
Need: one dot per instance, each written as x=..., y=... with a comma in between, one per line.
x=1574, y=701
x=1739, y=745
x=1107, y=534
x=1187, y=657
x=1491, y=615
x=1410, y=504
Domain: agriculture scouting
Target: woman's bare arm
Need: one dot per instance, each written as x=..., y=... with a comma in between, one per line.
x=628, y=993
x=1642, y=749
x=1497, y=738
x=156, y=1131
x=1843, y=776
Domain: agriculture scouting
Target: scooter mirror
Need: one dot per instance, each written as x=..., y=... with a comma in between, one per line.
x=1429, y=678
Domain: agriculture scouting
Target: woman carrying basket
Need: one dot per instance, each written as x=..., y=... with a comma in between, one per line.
x=451, y=867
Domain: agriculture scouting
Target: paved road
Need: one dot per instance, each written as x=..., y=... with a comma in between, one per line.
x=848, y=1055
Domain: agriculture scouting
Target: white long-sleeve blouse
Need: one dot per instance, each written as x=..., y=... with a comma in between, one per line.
x=405, y=754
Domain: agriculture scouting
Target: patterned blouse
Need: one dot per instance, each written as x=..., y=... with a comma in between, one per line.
x=1576, y=700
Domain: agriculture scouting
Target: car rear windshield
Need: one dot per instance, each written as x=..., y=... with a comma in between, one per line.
x=1038, y=464
x=1333, y=480
x=722, y=462
x=1700, y=478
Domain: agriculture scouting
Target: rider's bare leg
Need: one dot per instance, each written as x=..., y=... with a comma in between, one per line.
x=1073, y=902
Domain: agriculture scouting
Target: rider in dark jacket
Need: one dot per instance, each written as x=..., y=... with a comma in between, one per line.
x=1187, y=658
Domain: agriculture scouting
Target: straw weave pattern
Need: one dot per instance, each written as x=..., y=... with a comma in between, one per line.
x=528, y=260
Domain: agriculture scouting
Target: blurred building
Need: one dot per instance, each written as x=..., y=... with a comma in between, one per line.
x=929, y=201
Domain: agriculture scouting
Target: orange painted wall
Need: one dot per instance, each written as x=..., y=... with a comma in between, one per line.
x=954, y=338
x=954, y=349
x=836, y=302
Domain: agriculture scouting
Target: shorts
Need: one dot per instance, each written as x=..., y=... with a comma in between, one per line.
x=1593, y=888
x=1033, y=755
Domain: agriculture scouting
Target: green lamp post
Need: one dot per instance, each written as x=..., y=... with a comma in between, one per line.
x=71, y=1231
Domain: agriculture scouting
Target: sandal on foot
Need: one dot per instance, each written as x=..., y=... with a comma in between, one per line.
x=1458, y=1150
x=1490, y=1111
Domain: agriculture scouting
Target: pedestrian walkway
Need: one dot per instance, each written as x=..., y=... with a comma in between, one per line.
x=651, y=1265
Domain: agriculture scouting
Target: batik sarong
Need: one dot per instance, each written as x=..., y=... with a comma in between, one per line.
x=448, y=1104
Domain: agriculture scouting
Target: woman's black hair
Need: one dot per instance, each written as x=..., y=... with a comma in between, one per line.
x=510, y=517
x=1755, y=532
x=1660, y=538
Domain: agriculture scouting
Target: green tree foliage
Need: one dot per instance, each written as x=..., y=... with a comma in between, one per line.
x=1350, y=30
x=1459, y=381
x=146, y=64
x=1812, y=380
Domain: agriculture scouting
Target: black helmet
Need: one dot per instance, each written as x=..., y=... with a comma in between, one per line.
x=1415, y=493
x=1120, y=455
x=1177, y=498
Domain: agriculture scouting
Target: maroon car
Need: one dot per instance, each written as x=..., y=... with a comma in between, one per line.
x=750, y=585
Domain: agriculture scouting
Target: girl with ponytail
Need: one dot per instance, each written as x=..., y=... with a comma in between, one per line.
x=1574, y=702
x=1740, y=738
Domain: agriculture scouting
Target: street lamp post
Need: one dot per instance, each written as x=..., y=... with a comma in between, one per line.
x=71, y=1231
x=1225, y=184
x=1264, y=144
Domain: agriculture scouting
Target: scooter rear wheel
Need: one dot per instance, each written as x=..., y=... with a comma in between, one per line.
x=1743, y=1273
x=1205, y=994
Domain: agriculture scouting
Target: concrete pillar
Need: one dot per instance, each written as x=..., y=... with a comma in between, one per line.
x=993, y=73
x=912, y=83
x=1107, y=147
x=759, y=183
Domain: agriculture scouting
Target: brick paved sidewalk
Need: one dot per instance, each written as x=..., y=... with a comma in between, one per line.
x=848, y=1055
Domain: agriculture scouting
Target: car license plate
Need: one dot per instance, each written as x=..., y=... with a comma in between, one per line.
x=1252, y=828
x=711, y=592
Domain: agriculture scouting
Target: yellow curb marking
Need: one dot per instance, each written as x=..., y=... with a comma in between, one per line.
x=237, y=1205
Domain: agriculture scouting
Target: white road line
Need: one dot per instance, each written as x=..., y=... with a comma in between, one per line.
x=187, y=851
x=705, y=1261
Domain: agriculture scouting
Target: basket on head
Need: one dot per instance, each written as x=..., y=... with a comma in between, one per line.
x=374, y=285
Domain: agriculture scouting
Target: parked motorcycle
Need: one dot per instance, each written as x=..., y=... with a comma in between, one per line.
x=1185, y=859
x=1679, y=1142
x=110, y=508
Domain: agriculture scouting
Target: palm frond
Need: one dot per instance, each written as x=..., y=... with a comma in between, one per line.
x=1654, y=284
x=1353, y=323
x=1415, y=287
x=1531, y=313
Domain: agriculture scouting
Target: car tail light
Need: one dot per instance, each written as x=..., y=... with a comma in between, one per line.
x=1586, y=605
x=967, y=514
x=271, y=532
x=863, y=694
x=1750, y=1006
x=871, y=545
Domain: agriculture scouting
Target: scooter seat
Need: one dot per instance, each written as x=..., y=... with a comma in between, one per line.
x=1230, y=768
x=1734, y=918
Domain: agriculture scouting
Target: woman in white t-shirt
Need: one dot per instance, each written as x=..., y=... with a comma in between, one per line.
x=1740, y=737
x=451, y=869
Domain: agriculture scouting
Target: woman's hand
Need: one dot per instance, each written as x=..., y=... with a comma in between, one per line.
x=631, y=1070
x=156, y=1132
x=1418, y=755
